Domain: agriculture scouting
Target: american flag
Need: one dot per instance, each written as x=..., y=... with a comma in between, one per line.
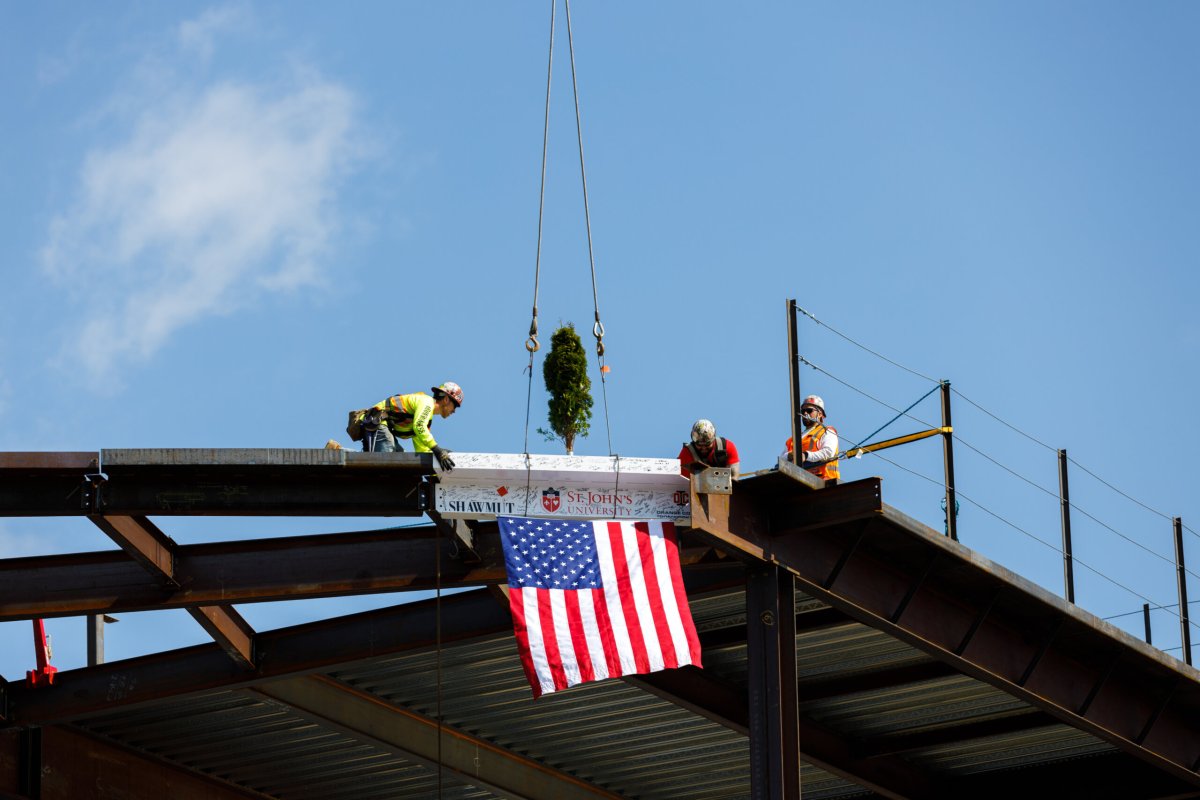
x=596, y=599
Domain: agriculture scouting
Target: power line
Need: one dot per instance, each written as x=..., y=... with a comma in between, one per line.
x=1004, y=422
x=970, y=446
x=1118, y=491
x=1131, y=541
x=864, y=347
x=994, y=416
x=852, y=387
x=906, y=469
x=1006, y=468
x=1043, y=542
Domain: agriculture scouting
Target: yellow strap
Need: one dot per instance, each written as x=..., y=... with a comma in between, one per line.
x=912, y=437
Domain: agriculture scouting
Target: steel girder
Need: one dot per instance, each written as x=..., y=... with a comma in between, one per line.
x=883, y=569
x=249, y=571
x=236, y=482
x=418, y=738
x=280, y=653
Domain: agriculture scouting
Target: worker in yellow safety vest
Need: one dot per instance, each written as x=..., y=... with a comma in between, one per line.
x=409, y=416
x=819, y=444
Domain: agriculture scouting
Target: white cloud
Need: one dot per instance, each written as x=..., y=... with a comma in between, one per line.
x=198, y=35
x=213, y=196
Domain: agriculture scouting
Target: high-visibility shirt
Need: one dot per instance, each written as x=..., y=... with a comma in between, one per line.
x=409, y=417
x=820, y=442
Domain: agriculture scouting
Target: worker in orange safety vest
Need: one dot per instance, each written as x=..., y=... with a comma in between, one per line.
x=819, y=444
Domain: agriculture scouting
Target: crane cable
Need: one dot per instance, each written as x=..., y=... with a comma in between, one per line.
x=532, y=344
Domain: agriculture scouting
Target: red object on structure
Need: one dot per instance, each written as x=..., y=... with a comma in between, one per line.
x=44, y=674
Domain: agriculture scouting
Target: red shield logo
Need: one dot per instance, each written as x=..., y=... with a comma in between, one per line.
x=550, y=500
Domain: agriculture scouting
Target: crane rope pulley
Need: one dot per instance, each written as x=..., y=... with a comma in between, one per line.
x=532, y=345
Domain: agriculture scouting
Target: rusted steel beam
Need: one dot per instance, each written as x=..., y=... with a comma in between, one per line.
x=750, y=524
x=144, y=542
x=723, y=703
x=280, y=653
x=236, y=572
x=156, y=553
x=893, y=778
x=230, y=630
x=699, y=692
x=986, y=622
x=875, y=680
x=67, y=463
x=1112, y=774
x=81, y=765
x=260, y=570
x=794, y=513
x=900, y=743
x=44, y=484
x=243, y=482
x=419, y=738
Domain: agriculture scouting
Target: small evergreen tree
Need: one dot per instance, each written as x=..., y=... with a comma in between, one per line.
x=565, y=372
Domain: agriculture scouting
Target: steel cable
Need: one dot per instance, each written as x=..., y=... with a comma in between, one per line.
x=997, y=463
x=598, y=327
x=864, y=347
x=994, y=416
x=532, y=344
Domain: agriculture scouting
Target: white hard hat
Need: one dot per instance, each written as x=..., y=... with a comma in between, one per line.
x=813, y=400
x=704, y=432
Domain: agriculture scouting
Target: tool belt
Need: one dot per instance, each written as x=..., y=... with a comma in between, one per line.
x=364, y=420
x=368, y=420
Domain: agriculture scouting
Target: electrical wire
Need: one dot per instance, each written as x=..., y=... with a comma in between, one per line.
x=864, y=347
x=1008, y=469
x=867, y=438
x=1038, y=539
x=1072, y=505
x=854, y=388
x=1118, y=491
x=970, y=446
x=1046, y=544
x=1005, y=423
x=994, y=416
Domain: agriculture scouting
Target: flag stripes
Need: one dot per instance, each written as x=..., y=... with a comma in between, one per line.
x=596, y=599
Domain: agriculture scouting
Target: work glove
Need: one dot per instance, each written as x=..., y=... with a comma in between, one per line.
x=443, y=457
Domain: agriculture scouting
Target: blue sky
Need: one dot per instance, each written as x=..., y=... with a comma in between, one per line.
x=225, y=225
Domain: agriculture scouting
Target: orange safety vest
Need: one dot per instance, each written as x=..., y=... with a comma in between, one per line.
x=810, y=442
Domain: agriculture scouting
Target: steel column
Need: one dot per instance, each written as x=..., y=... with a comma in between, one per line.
x=797, y=426
x=1181, y=579
x=774, y=709
x=29, y=766
x=948, y=455
x=95, y=639
x=1064, y=496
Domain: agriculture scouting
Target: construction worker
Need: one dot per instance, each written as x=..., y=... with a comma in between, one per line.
x=819, y=444
x=408, y=416
x=707, y=450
